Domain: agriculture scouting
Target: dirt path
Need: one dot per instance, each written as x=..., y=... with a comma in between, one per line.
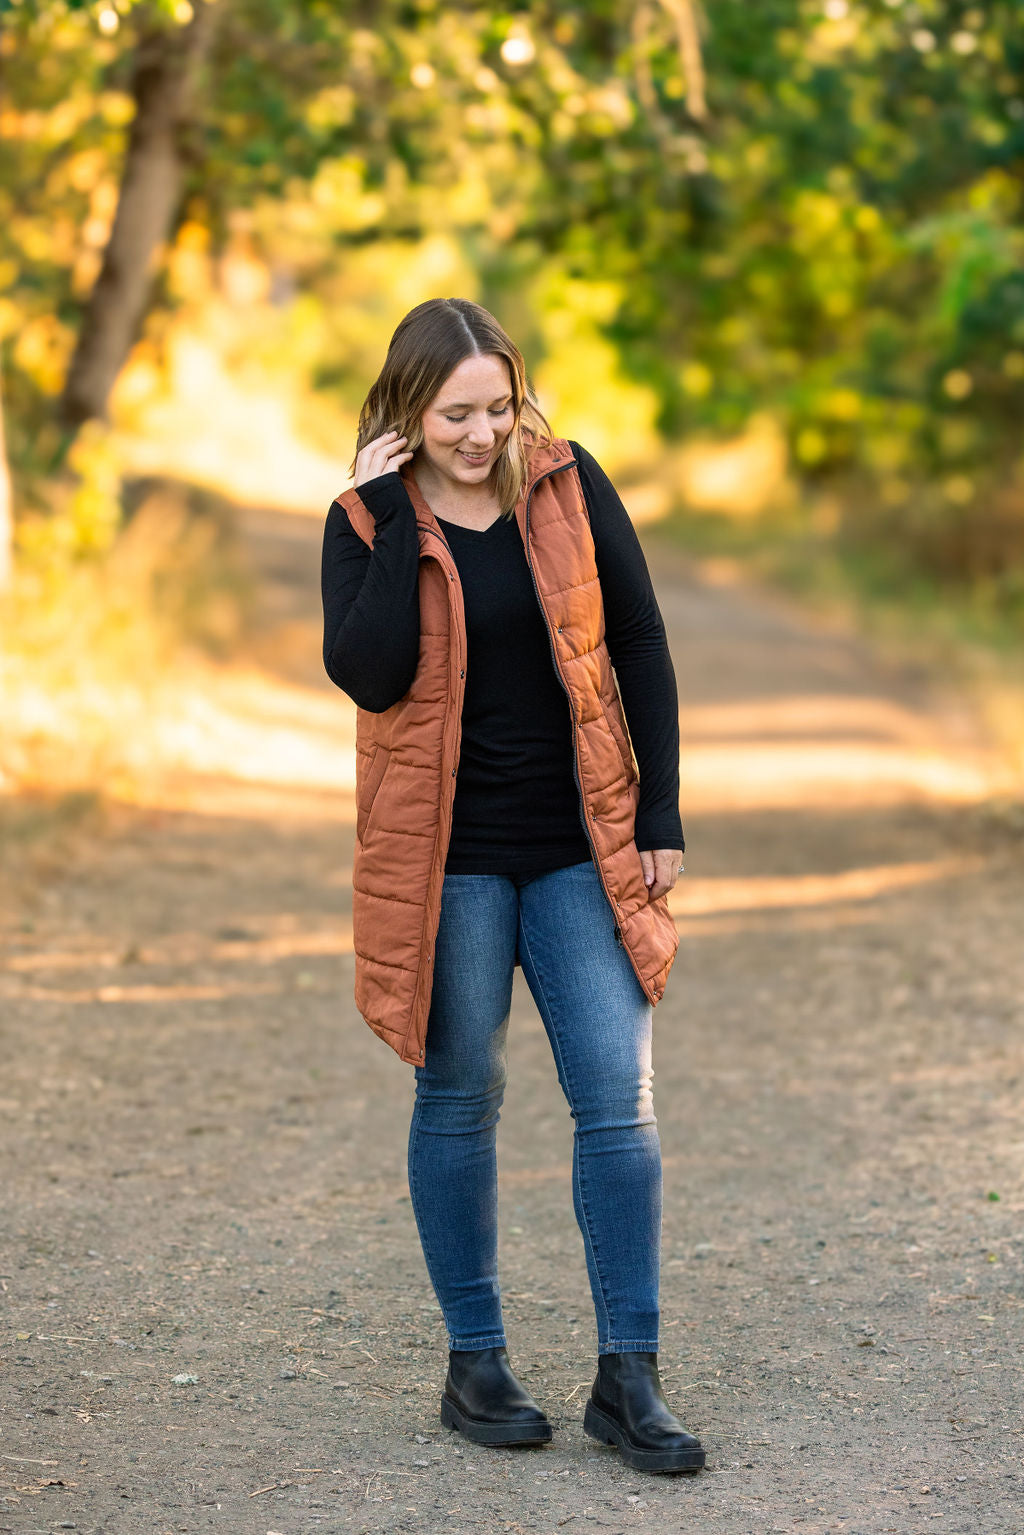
x=215, y=1314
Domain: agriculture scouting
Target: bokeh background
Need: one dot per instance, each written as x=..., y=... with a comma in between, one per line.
x=766, y=261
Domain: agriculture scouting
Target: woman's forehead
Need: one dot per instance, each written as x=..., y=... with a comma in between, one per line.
x=478, y=379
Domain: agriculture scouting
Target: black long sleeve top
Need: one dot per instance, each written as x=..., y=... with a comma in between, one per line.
x=517, y=807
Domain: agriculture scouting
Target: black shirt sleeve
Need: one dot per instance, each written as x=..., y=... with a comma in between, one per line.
x=371, y=597
x=638, y=647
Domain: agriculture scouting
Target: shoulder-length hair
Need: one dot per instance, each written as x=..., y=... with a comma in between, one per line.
x=428, y=344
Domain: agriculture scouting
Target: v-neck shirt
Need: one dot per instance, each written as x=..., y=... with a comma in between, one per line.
x=516, y=802
x=517, y=805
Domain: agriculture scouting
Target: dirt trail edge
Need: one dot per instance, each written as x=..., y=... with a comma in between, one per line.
x=215, y=1315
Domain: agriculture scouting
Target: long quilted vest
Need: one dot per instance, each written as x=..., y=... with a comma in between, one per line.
x=407, y=759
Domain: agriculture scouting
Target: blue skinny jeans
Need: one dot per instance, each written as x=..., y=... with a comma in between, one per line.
x=599, y=1025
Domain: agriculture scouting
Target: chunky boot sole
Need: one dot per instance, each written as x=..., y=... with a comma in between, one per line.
x=492, y=1433
x=606, y=1431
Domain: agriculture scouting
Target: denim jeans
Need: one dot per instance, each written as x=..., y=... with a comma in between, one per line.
x=598, y=1021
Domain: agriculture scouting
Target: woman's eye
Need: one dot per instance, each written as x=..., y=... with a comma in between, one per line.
x=458, y=419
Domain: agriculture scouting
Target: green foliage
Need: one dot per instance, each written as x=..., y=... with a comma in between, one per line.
x=839, y=245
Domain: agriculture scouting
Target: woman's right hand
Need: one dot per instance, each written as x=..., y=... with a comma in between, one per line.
x=381, y=456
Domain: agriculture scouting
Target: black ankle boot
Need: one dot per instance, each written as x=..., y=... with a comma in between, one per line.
x=484, y=1400
x=627, y=1408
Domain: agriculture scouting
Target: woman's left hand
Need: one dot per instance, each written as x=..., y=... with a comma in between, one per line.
x=661, y=870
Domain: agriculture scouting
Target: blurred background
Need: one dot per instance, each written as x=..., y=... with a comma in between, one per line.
x=766, y=262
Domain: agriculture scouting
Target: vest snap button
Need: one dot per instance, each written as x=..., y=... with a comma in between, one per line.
x=462, y=674
x=559, y=628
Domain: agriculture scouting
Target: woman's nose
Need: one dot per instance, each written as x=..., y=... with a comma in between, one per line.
x=480, y=430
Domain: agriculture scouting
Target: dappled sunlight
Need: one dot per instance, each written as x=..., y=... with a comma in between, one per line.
x=706, y=896
x=765, y=267
x=807, y=717
x=819, y=776
x=228, y=799
x=238, y=436
x=250, y=727
x=719, y=905
x=825, y=919
x=179, y=992
x=740, y=477
x=227, y=401
x=192, y=948
x=823, y=752
x=181, y=740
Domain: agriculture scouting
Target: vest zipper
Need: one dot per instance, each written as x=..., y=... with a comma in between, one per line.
x=572, y=714
x=436, y=533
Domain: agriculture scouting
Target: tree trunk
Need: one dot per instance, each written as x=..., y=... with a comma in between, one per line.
x=167, y=59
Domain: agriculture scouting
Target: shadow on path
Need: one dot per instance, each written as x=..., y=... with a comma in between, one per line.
x=216, y=1311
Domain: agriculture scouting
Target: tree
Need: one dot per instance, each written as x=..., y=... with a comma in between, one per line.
x=166, y=62
x=827, y=228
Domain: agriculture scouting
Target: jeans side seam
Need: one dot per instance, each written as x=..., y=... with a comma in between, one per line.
x=413, y=1193
x=414, y=1185
x=604, y=1318
x=585, y=1207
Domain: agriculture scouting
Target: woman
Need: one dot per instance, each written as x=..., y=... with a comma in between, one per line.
x=479, y=582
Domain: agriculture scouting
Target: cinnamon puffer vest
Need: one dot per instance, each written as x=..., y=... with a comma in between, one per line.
x=407, y=759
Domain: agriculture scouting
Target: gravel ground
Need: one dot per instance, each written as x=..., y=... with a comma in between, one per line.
x=215, y=1311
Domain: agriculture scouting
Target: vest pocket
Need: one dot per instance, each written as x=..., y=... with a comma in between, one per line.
x=375, y=770
x=624, y=753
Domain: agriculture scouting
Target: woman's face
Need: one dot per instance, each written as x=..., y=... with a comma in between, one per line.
x=466, y=424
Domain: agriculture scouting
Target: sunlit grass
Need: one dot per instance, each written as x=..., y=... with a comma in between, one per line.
x=92, y=641
x=126, y=674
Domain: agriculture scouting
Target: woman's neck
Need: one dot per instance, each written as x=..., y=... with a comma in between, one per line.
x=444, y=495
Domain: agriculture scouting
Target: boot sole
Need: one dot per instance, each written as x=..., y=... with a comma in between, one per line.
x=492, y=1433
x=605, y=1430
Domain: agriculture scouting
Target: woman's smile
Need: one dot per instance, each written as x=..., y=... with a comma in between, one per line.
x=465, y=427
x=488, y=832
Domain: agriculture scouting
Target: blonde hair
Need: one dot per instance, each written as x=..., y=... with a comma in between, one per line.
x=428, y=344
